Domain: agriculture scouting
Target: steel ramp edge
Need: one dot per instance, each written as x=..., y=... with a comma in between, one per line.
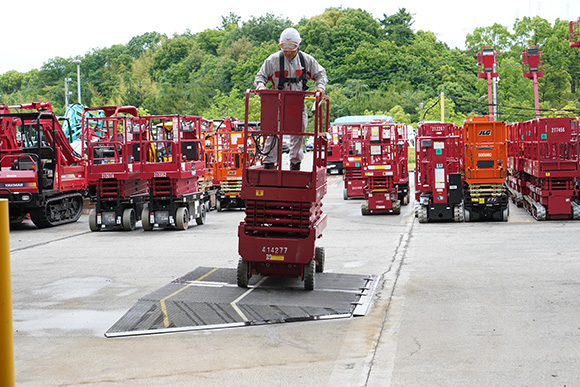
x=209, y=298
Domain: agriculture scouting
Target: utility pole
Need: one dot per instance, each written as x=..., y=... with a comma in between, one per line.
x=78, y=63
x=66, y=92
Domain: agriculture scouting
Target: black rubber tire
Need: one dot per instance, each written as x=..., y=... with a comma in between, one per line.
x=201, y=219
x=310, y=275
x=364, y=207
x=243, y=273
x=145, y=221
x=93, y=226
x=320, y=258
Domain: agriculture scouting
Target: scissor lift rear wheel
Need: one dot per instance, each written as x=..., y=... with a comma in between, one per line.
x=319, y=257
x=310, y=275
x=93, y=225
x=243, y=273
x=182, y=218
x=129, y=219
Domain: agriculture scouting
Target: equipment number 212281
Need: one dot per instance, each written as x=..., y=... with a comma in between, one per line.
x=274, y=250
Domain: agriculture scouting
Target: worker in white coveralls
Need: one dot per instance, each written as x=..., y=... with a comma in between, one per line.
x=289, y=70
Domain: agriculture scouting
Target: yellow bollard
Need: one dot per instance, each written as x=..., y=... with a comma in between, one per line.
x=6, y=332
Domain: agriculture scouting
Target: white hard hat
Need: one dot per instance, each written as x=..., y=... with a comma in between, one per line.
x=290, y=39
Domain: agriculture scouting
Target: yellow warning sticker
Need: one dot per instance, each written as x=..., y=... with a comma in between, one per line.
x=270, y=257
x=259, y=192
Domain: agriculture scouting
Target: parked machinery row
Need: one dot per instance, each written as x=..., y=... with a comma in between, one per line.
x=375, y=163
x=164, y=170
x=146, y=168
x=461, y=171
x=543, y=160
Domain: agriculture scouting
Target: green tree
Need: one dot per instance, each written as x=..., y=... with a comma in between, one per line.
x=397, y=27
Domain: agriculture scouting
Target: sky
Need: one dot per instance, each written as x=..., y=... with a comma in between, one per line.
x=34, y=31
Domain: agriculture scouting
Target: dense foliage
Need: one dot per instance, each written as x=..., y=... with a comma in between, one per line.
x=374, y=67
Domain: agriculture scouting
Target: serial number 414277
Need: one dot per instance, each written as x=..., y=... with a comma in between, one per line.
x=274, y=250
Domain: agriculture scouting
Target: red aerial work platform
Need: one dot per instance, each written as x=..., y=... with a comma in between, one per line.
x=533, y=68
x=335, y=157
x=169, y=149
x=380, y=160
x=352, y=148
x=487, y=68
x=117, y=188
x=574, y=33
x=438, y=182
x=284, y=215
x=548, y=149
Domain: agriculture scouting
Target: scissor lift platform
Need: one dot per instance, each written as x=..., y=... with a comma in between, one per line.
x=209, y=298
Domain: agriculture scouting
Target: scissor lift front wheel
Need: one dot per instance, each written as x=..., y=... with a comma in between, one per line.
x=310, y=275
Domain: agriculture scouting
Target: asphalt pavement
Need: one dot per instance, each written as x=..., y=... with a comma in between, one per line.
x=457, y=304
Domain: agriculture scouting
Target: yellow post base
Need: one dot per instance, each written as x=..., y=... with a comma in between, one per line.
x=6, y=332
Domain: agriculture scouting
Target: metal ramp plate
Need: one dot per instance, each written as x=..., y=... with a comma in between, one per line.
x=209, y=298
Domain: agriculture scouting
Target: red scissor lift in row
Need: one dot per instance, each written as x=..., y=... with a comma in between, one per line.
x=548, y=169
x=284, y=215
x=352, y=150
x=229, y=152
x=335, y=149
x=174, y=173
x=438, y=181
x=117, y=188
x=40, y=173
x=383, y=167
x=517, y=178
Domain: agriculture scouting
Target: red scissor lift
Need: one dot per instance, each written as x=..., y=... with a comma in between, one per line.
x=379, y=165
x=401, y=177
x=352, y=148
x=229, y=143
x=119, y=191
x=174, y=172
x=335, y=158
x=550, y=160
x=438, y=181
x=517, y=178
x=284, y=215
x=40, y=173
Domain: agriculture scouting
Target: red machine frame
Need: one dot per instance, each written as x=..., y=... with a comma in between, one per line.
x=119, y=192
x=40, y=173
x=547, y=149
x=574, y=33
x=352, y=151
x=284, y=215
x=438, y=181
x=335, y=149
x=172, y=161
x=401, y=177
x=381, y=167
x=533, y=68
x=487, y=68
